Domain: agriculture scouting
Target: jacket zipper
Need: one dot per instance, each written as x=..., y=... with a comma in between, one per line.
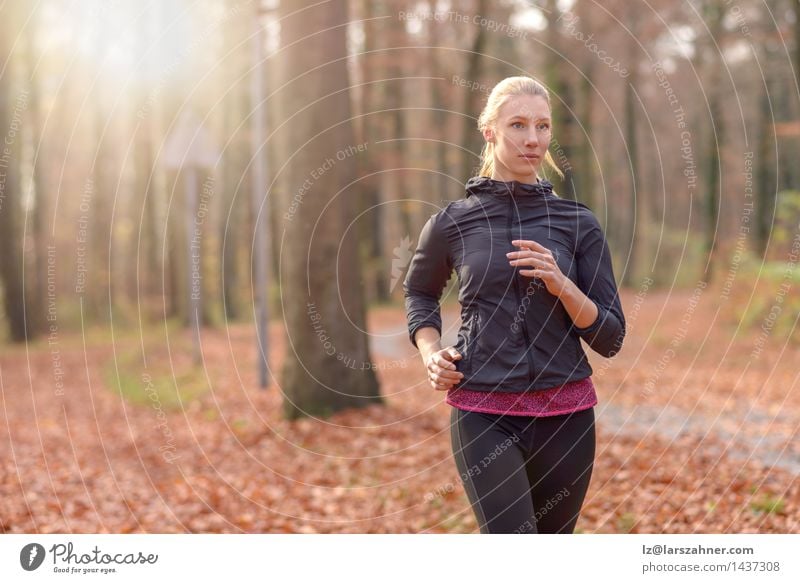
x=528, y=346
x=471, y=346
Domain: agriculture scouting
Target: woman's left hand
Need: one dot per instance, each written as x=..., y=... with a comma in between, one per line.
x=543, y=265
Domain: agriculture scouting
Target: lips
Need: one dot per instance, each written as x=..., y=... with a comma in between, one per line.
x=530, y=156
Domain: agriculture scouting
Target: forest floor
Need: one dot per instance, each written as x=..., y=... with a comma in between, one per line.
x=696, y=433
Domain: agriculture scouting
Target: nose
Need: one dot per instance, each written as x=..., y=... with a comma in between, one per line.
x=532, y=139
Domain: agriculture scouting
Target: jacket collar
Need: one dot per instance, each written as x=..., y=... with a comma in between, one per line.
x=486, y=185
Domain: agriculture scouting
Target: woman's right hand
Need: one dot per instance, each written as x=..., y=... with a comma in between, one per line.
x=442, y=373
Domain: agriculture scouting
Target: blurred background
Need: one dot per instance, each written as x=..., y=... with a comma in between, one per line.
x=207, y=209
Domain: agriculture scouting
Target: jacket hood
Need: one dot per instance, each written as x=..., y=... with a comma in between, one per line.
x=486, y=185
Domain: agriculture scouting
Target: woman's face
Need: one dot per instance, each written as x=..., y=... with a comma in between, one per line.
x=521, y=137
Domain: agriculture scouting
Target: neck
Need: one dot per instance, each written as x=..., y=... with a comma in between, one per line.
x=501, y=173
x=522, y=179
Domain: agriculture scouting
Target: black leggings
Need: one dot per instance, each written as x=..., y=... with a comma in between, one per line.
x=524, y=474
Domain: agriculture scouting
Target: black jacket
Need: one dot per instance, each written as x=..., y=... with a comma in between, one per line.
x=515, y=335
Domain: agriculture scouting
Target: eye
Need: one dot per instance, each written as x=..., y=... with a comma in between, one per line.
x=544, y=126
x=514, y=124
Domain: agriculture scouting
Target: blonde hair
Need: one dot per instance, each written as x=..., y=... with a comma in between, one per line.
x=508, y=87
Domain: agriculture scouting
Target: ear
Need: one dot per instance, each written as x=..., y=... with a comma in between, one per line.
x=488, y=135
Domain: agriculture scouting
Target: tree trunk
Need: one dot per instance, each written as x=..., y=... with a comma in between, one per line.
x=327, y=365
x=236, y=185
x=636, y=230
x=765, y=160
x=146, y=268
x=715, y=141
x=471, y=138
x=35, y=256
x=714, y=15
x=562, y=100
x=440, y=178
x=11, y=111
x=584, y=178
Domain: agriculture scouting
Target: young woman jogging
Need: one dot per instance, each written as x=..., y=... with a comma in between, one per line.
x=534, y=278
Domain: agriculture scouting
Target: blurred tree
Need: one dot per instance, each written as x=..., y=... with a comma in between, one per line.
x=710, y=53
x=11, y=106
x=236, y=185
x=471, y=140
x=35, y=245
x=562, y=83
x=767, y=156
x=584, y=178
x=387, y=100
x=148, y=185
x=368, y=125
x=327, y=364
x=440, y=181
x=637, y=214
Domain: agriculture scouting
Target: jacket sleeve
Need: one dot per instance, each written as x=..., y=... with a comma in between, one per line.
x=428, y=274
x=596, y=279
